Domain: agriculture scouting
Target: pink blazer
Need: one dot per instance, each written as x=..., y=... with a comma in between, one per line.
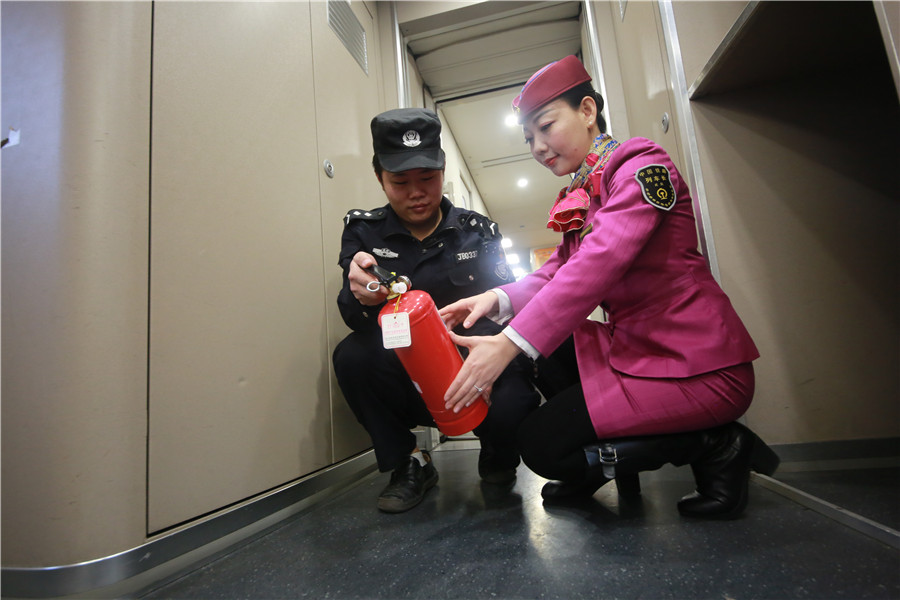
x=668, y=318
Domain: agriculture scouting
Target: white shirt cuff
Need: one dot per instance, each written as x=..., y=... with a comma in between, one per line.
x=504, y=307
x=521, y=342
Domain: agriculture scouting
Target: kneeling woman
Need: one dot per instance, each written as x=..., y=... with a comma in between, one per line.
x=665, y=379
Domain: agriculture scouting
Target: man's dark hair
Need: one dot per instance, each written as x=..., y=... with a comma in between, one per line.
x=376, y=164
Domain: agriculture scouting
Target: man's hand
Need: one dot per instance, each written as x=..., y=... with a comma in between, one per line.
x=359, y=278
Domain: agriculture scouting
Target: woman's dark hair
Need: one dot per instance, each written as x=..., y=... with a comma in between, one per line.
x=574, y=96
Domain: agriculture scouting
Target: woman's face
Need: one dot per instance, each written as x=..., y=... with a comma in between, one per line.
x=415, y=196
x=560, y=136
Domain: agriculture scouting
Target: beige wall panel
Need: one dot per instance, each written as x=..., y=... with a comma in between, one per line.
x=238, y=369
x=387, y=61
x=643, y=66
x=606, y=15
x=806, y=221
x=75, y=227
x=346, y=101
x=458, y=183
x=702, y=25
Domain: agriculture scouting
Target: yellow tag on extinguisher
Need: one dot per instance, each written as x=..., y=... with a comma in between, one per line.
x=395, y=330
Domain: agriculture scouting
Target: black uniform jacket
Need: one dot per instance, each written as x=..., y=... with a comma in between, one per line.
x=461, y=258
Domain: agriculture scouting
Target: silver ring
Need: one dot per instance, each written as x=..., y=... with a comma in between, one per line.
x=478, y=388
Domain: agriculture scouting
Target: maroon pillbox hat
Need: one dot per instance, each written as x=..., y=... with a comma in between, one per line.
x=548, y=83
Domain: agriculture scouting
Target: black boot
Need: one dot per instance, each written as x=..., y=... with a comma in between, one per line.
x=628, y=484
x=721, y=459
x=722, y=473
x=593, y=480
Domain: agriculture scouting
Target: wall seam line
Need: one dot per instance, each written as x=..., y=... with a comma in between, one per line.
x=149, y=272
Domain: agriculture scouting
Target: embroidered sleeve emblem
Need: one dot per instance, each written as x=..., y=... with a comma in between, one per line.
x=656, y=186
x=501, y=270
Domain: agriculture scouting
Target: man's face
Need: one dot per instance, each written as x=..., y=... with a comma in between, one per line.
x=415, y=195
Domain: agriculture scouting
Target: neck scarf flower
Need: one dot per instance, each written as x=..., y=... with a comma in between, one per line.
x=572, y=203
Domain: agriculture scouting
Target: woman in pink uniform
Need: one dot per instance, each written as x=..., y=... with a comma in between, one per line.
x=664, y=380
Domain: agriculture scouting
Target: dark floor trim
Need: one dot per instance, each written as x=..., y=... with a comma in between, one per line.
x=124, y=573
x=873, y=448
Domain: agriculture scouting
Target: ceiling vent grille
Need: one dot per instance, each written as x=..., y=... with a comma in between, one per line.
x=349, y=30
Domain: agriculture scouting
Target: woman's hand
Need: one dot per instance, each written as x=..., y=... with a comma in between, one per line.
x=359, y=277
x=488, y=356
x=468, y=310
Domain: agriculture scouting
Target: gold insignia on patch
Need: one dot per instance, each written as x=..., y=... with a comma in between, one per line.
x=656, y=185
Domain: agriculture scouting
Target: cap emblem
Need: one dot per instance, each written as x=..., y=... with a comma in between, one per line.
x=411, y=139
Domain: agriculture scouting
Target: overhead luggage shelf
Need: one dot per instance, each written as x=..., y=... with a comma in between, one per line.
x=778, y=41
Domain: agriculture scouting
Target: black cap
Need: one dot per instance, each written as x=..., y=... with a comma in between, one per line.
x=408, y=138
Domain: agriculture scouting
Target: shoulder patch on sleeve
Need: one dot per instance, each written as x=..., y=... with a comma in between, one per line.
x=364, y=215
x=656, y=186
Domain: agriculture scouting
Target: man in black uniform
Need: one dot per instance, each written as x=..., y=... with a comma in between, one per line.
x=451, y=254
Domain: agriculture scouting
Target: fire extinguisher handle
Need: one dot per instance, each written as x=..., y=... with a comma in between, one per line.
x=397, y=284
x=384, y=276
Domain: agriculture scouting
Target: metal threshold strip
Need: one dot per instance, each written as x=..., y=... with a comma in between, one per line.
x=880, y=532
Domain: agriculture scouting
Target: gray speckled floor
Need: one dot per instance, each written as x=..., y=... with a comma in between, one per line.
x=473, y=540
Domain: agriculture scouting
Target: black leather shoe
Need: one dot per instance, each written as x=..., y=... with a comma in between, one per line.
x=409, y=483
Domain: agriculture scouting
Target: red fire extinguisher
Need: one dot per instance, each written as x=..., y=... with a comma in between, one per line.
x=430, y=358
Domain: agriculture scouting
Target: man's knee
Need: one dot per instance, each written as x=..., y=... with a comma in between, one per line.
x=514, y=393
x=354, y=356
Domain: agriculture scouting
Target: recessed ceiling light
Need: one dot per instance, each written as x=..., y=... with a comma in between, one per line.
x=512, y=259
x=522, y=182
x=511, y=121
x=506, y=242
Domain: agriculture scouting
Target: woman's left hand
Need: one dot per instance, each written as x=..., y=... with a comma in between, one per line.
x=488, y=356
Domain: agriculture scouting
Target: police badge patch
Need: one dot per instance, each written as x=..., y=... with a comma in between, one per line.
x=656, y=185
x=384, y=253
x=501, y=270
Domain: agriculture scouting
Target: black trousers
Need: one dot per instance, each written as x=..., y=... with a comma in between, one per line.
x=385, y=402
x=551, y=438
